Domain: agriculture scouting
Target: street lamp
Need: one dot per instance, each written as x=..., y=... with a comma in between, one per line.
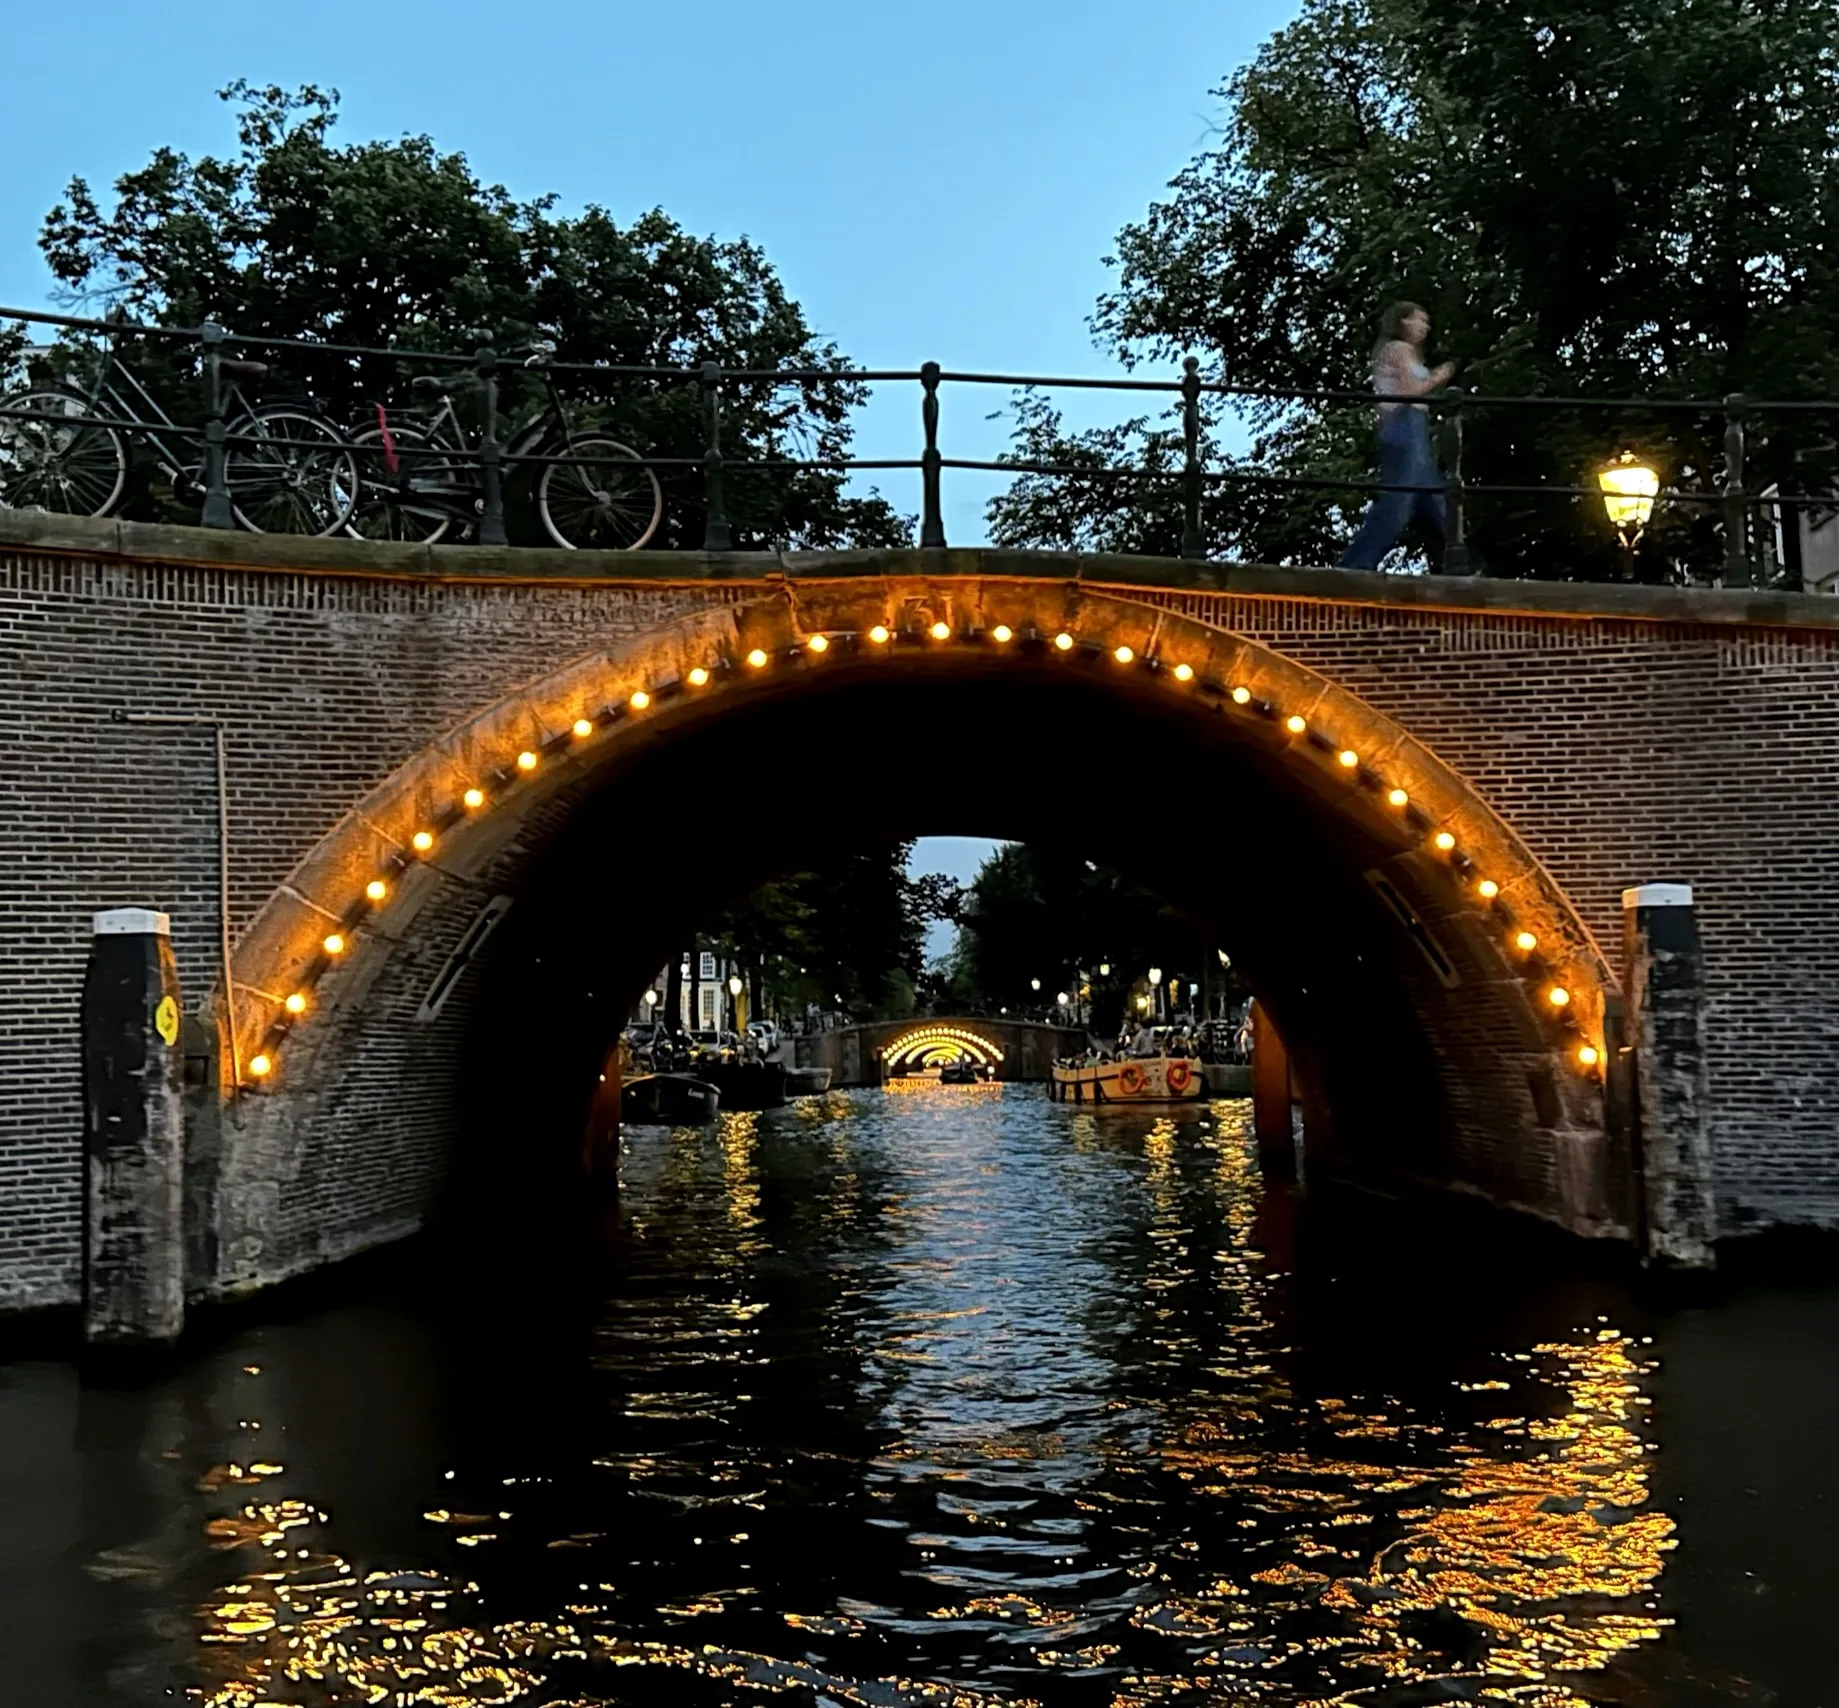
x=734, y=1001
x=1629, y=488
x=1155, y=984
x=1104, y=969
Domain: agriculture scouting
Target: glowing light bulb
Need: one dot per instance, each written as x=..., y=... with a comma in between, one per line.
x=1348, y=757
x=818, y=643
x=474, y=798
x=1487, y=889
x=334, y=944
x=1241, y=696
x=260, y=1066
x=583, y=727
x=1295, y=725
x=940, y=631
x=879, y=634
x=1184, y=673
x=422, y=841
x=1123, y=655
x=1526, y=942
x=1002, y=634
x=526, y=761
x=1558, y=996
x=1588, y=1055
x=376, y=889
x=1445, y=841
x=295, y=1004
x=1063, y=642
x=639, y=701
x=699, y=678
x=1399, y=798
x=756, y=658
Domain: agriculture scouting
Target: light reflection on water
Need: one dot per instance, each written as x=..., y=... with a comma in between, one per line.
x=967, y=1399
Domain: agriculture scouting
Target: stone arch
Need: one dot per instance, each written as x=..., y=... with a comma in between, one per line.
x=445, y=817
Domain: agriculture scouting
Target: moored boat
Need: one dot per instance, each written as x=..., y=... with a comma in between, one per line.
x=744, y=1084
x=806, y=1081
x=667, y=1100
x=1129, y=1079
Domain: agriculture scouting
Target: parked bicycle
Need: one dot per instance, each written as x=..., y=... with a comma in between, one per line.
x=67, y=449
x=419, y=479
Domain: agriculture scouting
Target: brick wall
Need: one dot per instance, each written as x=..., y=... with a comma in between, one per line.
x=324, y=685
x=1628, y=752
x=1620, y=748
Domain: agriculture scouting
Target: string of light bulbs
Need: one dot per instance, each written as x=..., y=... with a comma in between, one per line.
x=1557, y=998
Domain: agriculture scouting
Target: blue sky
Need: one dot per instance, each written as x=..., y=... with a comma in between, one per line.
x=937, y=181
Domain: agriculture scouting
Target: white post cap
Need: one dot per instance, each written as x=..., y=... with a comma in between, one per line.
x=132, y=922
x=1657, y=895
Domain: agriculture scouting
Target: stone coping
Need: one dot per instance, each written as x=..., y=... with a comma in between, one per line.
x=148, y=542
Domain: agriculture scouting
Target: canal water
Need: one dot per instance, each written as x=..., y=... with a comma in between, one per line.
x=954, y=1398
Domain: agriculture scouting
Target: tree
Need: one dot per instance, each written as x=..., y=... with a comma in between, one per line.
x=1591, y=196
x=846, y=934
x=1035, y=912
x=381, y=243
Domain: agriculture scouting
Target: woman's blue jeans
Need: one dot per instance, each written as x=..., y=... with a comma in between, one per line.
x=1405, y=460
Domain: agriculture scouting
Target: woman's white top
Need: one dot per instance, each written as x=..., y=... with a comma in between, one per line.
x=1384, y=383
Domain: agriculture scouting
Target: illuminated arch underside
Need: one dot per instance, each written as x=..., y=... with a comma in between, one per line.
x=935, y=1046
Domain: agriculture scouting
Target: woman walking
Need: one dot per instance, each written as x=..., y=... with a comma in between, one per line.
x=1405, y=458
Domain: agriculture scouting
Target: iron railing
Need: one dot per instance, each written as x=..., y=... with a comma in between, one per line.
x=1455, y=407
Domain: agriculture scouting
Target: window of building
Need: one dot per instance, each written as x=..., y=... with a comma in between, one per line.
x=708, y=965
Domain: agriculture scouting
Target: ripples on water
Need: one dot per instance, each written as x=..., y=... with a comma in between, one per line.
x=966, y=1399
x=953, y=1399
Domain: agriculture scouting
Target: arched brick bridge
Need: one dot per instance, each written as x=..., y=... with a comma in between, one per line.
x=1409, y=807
x=1014, y=1050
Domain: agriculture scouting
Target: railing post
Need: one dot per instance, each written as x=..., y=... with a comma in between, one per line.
x=491, y=453
x=217, y=511
x=1193, y=542
x=1736, y=505
x=932, y=515
x=1455, y=542
x=717, y=536
x=1794, y=567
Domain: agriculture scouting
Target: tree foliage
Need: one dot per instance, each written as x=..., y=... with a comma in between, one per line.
x=1591, y=197
x=1041, y=913
x=294, y=235
x=846, y=934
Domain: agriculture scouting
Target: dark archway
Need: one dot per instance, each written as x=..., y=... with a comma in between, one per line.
x=1406, y=1041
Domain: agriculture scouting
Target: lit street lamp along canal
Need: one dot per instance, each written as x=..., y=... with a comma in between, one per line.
x=956, y=1396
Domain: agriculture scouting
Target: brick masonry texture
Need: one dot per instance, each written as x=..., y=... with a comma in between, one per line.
x=324, y=685
x=1637, y=752
x=1621, y=749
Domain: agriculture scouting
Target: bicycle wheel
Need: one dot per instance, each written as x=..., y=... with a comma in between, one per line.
x=600, y=496
x=288, y=473
x=412, y=501
x=67, y=466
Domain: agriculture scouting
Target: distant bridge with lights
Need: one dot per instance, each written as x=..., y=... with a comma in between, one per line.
x=1526, y=876
x=877, y=1051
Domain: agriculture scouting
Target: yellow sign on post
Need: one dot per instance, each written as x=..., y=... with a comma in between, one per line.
x=166, y=1020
